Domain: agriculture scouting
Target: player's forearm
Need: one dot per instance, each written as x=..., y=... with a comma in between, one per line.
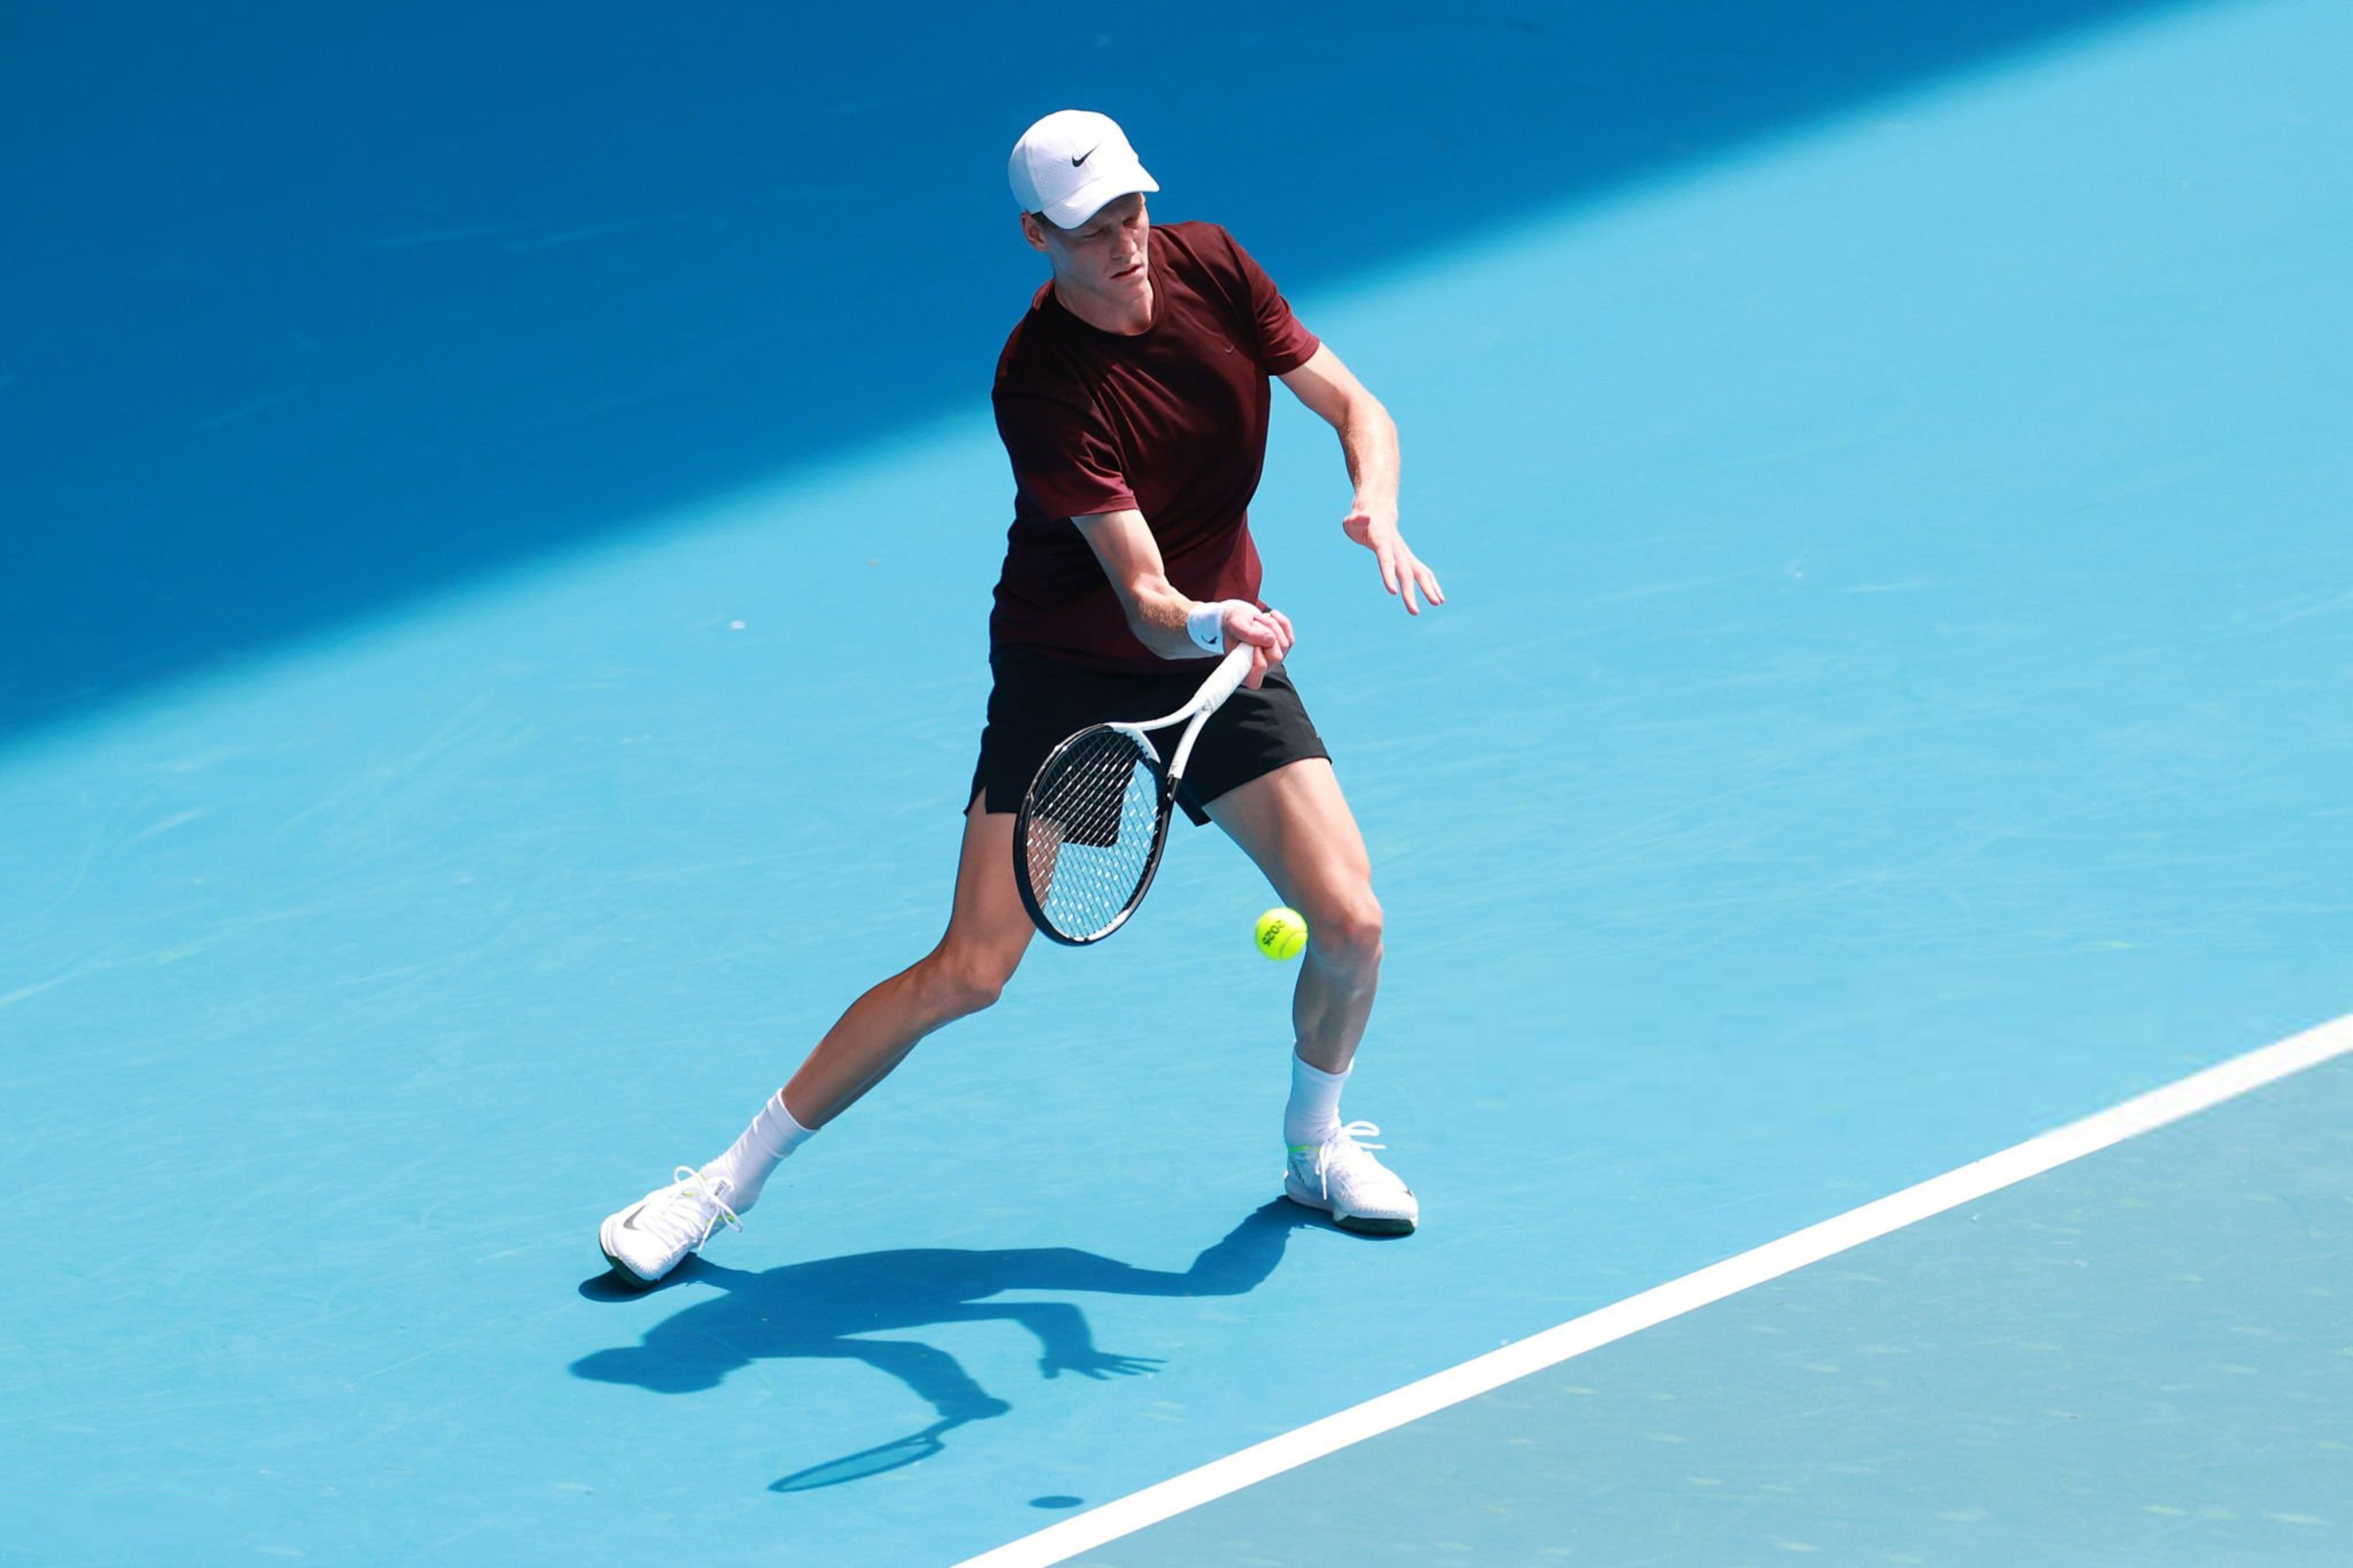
x=1368, y=439
x=1157, y=614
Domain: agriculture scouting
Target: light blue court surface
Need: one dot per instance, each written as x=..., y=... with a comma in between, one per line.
x=2142, y=1358
x=501, y=615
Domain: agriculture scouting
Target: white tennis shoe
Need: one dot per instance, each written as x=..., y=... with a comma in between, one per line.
x=653, y=1236
x=1341, y=1177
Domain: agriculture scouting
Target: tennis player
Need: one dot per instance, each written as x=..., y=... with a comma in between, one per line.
x=1132, y=400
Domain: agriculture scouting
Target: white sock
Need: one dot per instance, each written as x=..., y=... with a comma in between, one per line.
x=746, y=1167
x=1313, y=1114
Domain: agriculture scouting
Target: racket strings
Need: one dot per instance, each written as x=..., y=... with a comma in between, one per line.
x=1093, y=815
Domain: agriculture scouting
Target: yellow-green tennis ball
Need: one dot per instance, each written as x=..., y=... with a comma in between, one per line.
x=1281, y=934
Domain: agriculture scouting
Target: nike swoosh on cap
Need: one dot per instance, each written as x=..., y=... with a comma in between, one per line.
x=1084, y=156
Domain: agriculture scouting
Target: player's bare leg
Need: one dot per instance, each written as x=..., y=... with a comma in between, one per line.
x=1295, y=825
x=988, y=932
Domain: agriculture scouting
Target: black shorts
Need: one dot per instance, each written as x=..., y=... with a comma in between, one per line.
x=1038, y=701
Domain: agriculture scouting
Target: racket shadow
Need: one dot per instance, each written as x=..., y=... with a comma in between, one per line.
x=831, y=1308
x=892, y=1456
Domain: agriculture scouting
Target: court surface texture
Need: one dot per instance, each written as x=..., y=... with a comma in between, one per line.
x=500, y=515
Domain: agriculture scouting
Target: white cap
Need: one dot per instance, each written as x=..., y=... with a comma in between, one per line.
x=1072, y=161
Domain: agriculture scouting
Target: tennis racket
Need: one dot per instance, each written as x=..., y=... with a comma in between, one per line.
x=1095, y=818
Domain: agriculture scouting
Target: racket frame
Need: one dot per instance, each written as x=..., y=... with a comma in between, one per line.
x=1220, y=685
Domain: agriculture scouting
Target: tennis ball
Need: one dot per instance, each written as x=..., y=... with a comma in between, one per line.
x=1281, y=934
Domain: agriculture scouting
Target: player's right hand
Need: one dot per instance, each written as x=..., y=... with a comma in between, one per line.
x=1267, y=632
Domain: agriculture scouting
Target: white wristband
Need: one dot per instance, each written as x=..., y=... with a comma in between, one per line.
x=1205, y=625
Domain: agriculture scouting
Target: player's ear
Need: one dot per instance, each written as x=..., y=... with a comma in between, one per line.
x=1033, y=230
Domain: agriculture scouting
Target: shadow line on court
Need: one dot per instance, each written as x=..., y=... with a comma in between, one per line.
x=332, y=317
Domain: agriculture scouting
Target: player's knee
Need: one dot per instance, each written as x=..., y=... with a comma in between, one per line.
x=962, y=983
x=1349, y=933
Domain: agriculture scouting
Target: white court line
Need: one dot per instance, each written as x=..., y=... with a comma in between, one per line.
x=2186, y=1097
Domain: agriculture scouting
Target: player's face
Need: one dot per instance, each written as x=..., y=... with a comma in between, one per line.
x=1106, y=255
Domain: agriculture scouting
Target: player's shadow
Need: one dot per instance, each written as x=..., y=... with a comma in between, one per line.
x=830, y=1309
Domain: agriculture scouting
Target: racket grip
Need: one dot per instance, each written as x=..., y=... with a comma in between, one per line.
x=1225, y=679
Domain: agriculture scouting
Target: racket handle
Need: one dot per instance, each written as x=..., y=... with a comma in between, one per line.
x=1224, y=679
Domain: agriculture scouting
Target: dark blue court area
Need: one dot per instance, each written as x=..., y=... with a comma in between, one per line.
x=499, y=512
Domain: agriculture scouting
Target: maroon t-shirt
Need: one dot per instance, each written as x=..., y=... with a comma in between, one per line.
x=1171, y=422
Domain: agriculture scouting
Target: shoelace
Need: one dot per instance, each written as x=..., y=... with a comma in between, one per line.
x=674, y=1219
x=1353, y=1133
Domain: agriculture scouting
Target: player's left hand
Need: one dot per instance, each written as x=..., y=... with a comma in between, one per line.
x=1402, y=572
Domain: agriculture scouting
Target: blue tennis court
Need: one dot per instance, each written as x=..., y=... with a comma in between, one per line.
x=499, y=541
x=2139, y=1357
